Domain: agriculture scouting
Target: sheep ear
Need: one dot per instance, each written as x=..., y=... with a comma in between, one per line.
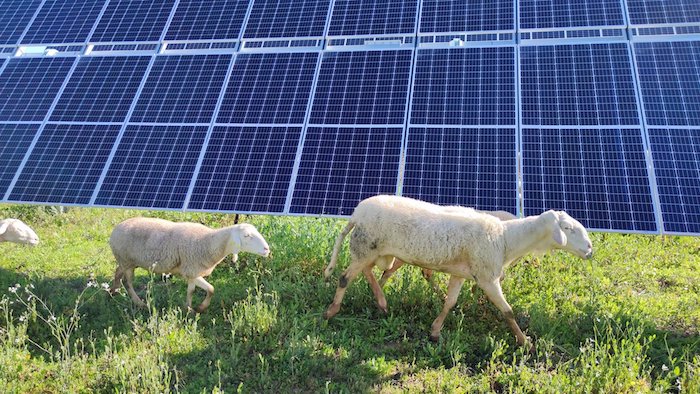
x=3, y=226
x=557, y=234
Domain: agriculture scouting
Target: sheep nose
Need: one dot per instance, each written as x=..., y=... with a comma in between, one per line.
x=589, y=254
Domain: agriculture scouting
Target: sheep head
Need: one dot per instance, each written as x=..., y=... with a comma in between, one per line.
x=569, y=234
x=14, y=230
x=250, y=240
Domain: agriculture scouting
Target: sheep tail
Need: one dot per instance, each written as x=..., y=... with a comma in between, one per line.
x=336, y=249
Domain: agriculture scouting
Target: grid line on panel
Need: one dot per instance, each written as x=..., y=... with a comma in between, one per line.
x=207, y=20
x=287, y=19
x=598, y=176
x=15, y=16
x=440, y=16
x=101, y=89
x=15, y=140
x=582, y=84
x=553, y=14
x=65, y=164
x=365, y=17
x=61, y=21
x=152, y=167
x=269, y=88
x=182, y=89
x=650, y=12
x=246, y=169
x=133, y=20
x=462, y=166
x=464, y=86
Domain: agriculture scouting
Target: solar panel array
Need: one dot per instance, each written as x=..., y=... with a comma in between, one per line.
x=306, y=107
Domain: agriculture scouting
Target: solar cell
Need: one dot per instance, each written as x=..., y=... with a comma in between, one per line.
x=133, y=20
x=14, y=142
x=669, y=76
x=15, y=15
x=62, y=21
x=101, y=89
x=28, y=87
x=464, y=86
x=358, y=17
x=152, y=167
x=207, y=20
x=287, y=18
x=269, y=88
x=340, y=166
x=598, y=176
x=462, y=166
x=362, y=88
x=583, y=84
x=246, y=169
x=646, y=12
x=439, y=16
x=65, y=164
x=548, y=14
x=182, y=89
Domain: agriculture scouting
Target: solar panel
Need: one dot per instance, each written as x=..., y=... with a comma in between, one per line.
x=14, y=142
x=287, y=18
x=101, y=89
x=28, y=87
x=358, y=17
x=65, y=164
x=464, y=86
x=246, y=169
x=152, y=167
x=340, y=166
x=133, y=20
x=647, y=12
x=466, y=16
x=367, y=87
x=584, y=84
x=62, y=21
x=548, y=14
x=15, y=15
x=182, y=89
x=269, y=88
x=472, y=167
x=599, y=176
x=207, y=20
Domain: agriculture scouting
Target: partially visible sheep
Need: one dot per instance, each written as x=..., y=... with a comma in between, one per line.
x=189, y=249
x=475, y=246
x=15, y=230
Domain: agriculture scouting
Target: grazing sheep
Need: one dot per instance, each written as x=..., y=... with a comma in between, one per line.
x=15, y=230
x=477, y=246
x=189, y=249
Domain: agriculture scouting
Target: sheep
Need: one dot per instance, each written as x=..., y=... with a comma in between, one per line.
x=478, y=247
x=189, y=249
x=15, y=230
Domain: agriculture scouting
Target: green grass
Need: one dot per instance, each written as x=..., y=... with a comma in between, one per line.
x=625, y=321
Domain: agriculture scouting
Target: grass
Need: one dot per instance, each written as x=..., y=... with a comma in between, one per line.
x=625, y=322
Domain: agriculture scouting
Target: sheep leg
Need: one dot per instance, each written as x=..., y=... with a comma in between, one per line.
x=117, y=282
x=388, y=273
x=453, y=288
x=495, y=294
x=129, y=276
x=348, y=276
x=376, y=289
x=204, y=285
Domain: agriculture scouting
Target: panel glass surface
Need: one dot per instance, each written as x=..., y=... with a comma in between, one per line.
x=133, y=20
x=61, y=21
x=207, y=20
x=548, y=14
x=14, y=142
x=15, y=15
x=287, y=18
x=363, y=17
x=440, y=16
x=647, y=12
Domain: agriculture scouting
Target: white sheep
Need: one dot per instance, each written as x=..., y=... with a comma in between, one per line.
x=189, y=249
x=476, y=246
x=15, y=230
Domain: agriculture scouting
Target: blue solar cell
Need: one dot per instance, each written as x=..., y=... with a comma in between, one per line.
x=598, y=176
x=65, y=164
x=246, y=169
x=548, y=14
x=362, y=88
x=462, y=166
x=646, y=12
x=587, y=84
x=341, y=166
x=14, y=142
x=182, y=89
x=676, y=155
x=15, y=15
x=207, y=20
x=133, y=20
x=269, y=88
x=464, y=86
x=287, y=18
x=29, y=86
x=101, y=89
x=439, y=16
x=62, y=21
x=357, y=17
x=669, y=75
x=152, y=167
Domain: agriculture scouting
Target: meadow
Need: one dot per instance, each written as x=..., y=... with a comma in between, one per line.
x=626, y=321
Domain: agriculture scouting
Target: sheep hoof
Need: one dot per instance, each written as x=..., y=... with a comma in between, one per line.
x=435, y=338
x=200, y=309
x=383, y=309
x=331, y=311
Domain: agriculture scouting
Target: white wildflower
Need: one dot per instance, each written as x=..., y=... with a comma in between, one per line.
x=664, y=368
x=105, y=286
x=22, y=318
x=31, y=286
